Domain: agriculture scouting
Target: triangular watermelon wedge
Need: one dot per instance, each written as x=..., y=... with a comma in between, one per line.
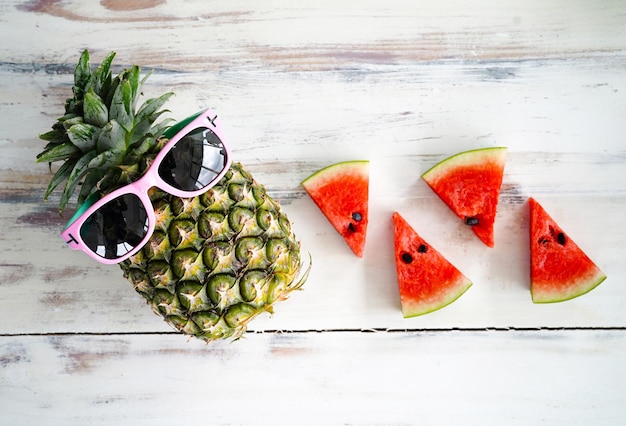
x=427, y=281
x=559, y=269
x=469, y=183
x=341, y=191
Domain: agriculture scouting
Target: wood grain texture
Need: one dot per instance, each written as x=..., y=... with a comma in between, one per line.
x=300, y=86
x=515, y=378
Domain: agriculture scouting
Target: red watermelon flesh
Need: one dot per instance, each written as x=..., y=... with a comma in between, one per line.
x=427, y=281
x=469, y=184
x=341, y=191
x=559, y=269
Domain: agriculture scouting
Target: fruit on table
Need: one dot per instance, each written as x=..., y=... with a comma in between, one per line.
x=559, y=269
x=341, y=192
x=215, y=261
x=469, y=183
x=426, y=279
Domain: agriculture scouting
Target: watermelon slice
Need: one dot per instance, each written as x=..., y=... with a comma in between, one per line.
x=469, y=183
x=341, y=192
x=427, y=281
x=559, y=269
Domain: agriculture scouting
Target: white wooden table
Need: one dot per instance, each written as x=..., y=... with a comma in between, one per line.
x=300, y=86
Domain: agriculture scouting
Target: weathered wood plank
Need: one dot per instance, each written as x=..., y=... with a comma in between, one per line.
x=568, y=105
x=335, y=34
x=66, y=291
x=561, y=114
x=444, y=378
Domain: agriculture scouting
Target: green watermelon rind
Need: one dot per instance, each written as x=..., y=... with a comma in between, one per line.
x=409, y=311
x=584, y=287
x=473, y=156
x=331, y=170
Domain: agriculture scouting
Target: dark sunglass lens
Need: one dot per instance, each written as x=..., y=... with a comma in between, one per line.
x=194, y=161
x=117, y=227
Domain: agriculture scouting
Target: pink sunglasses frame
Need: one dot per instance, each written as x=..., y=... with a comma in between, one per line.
x=151, y=178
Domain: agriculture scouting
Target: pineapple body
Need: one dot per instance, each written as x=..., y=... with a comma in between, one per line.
x=217, y=260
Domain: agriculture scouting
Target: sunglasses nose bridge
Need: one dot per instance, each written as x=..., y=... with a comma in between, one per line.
x=150, y=179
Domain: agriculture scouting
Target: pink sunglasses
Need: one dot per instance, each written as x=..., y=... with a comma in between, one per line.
x=113, y=228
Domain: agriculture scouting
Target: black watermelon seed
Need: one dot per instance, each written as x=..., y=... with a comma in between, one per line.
x=357, y=216
x=351, y=227
x=422, y=248
x=471, y=221
x=561, y=238
x=406, y=257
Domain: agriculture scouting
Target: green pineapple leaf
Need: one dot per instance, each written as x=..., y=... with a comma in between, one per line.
x=110, y=180
x=54, y=136
x=83, y=136
x=68, y=121
x=81, y=167
x=102, y=73
x=108, y=90
x=140, y=147
x=58, y=153
x=159, y=128
x=89, y=185
x=106, y=160
x=60, y=176
x=151, y=107
x=82, y=74
x=66, y=117
x=112, y=137
x=121, y=107
x=133, y=75
x=146, y=116
x=96, y=112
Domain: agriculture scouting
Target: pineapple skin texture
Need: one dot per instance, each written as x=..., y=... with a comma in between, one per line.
x=214, y=261
x=217, y=260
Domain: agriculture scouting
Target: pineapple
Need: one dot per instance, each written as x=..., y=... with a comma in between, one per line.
x=215, y=261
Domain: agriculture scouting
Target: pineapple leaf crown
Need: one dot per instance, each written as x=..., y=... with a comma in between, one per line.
x=103, y=139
